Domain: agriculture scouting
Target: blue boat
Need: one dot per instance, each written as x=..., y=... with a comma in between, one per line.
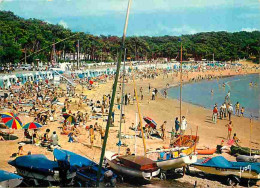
x=233, y=171
x=40, y=171
x=8, y=179
x=87, y=169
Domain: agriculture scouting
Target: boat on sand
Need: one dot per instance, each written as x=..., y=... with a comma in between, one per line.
x=8, y=179
x=86, y=170
x=40, y=171
x=132, y=166
x=233, y=171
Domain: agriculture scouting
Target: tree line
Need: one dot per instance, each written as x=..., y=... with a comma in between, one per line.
x=24, y=37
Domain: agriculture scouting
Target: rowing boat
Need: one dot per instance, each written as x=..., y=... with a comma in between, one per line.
x=132, y=166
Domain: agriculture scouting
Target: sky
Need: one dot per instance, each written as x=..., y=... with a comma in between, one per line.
x=147, y=17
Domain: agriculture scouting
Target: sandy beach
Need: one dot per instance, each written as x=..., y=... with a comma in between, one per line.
x=161, y=109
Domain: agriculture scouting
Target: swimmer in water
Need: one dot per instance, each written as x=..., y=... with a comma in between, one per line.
x=251, y=84
x=212, y=92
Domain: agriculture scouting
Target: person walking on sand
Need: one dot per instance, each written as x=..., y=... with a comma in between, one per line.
x=183, y=125
x=177, y=125
x=91, y=136
x=215, y=114
x=237, y=109
x=230, y=111
x=163, y=127
x=229, y=126
x=149, y=88
x=153, y=95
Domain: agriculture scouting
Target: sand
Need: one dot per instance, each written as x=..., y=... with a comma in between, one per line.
x=162, y=109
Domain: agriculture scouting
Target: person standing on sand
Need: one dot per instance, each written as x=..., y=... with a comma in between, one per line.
x=177, y=125
x=153, y=95
x=149, y=88
x=229, y=126
x=237, y=109
x=163, y=128
x=183, y=125
x=91, y=135
x=126, y=99
x=215, y=114
x=230, y=111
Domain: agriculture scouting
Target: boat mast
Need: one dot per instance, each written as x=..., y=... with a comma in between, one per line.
x=181, y=81
x=139, y=112
x=122, y=103
x=113, y=94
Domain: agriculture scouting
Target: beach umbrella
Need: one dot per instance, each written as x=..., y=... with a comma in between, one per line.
x=151, y=122
x=32, y=125
x=69, y=118
x=11, y=120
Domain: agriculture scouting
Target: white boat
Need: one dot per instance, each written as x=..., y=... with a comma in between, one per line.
x=132, y=166
x=179, y=162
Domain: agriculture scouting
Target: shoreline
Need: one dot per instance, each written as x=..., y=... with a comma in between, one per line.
x=203, y=80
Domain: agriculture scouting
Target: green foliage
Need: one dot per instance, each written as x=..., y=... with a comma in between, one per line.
x=19, y=36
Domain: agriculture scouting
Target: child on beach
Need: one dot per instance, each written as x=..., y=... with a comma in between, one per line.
x=229, y=126
x=242, y=111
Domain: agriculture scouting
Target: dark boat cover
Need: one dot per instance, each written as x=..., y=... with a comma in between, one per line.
x=38, y=163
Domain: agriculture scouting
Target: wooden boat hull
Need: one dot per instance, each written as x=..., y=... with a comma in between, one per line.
x=228, y=172
x=176, y=162
x=188, y=141
x=130, y=172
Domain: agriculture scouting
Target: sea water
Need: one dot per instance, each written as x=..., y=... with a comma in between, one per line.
x=199, y=93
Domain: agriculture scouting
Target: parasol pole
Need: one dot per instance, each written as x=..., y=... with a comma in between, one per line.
x=136, y=124
x=113, y=94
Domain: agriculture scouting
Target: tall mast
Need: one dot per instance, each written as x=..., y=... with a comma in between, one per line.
x=122, y=103
x=113, y=93
x=78, y=55
x=139, y=113
x=180, y=81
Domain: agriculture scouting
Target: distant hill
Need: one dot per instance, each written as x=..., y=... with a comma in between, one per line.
x=19, y=36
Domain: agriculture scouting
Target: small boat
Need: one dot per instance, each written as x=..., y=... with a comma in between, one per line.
x=41, y=171
x=166, y=160
x=236, y=150
x=187, y=141
x=8, y=179
x=245, y=158
x=132, y=166
x=234, y=171
x=206, y=151
x=86, y=170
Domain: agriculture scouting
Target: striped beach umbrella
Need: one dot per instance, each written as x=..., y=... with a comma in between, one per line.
x=11, y=120
x=151, y=122
x=32, y=125
x=69, y=118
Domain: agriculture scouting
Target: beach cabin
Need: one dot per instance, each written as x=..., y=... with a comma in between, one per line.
x=5, y=82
